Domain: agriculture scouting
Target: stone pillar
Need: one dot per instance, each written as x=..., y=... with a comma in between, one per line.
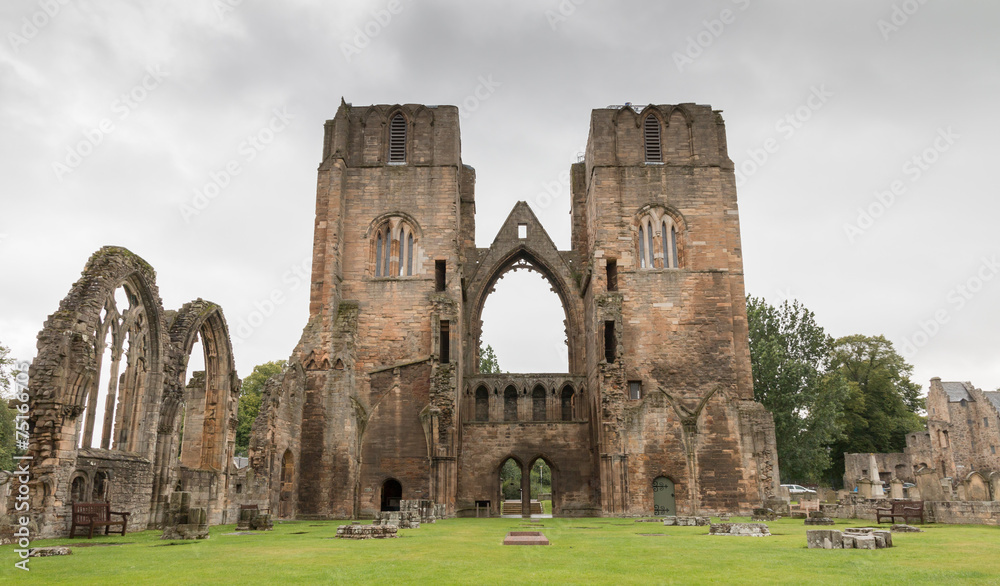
x=526, y=491
x=865, y=488
x=877, y=491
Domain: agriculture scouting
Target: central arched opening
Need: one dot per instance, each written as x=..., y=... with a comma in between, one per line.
x=392, y=493
x=524, y=321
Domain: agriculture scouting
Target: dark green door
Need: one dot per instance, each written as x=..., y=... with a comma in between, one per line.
x=663, y=497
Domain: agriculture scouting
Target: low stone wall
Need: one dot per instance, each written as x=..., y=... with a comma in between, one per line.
x=953, y=512
x=366, y=531
x=967, y=512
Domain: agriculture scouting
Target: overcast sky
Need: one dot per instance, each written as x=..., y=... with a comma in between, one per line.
x=115, y=114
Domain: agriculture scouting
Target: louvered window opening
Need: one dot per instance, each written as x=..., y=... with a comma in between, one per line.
x=397, y=139
x=651, y=132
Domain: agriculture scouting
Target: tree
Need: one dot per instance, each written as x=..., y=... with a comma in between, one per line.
x=488, y=361
x=792, y=375
x=883, y=405
x=8, y=446
x=249, y=405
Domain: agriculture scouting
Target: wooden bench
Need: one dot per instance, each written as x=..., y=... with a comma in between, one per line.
x=94, y=515
x=902, y=509
x=804, y=506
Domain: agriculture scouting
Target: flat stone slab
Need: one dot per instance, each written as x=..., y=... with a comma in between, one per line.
x=740, y=529
x=525, y=538
x=900, y=528
x=42, y=552
x=686, y=521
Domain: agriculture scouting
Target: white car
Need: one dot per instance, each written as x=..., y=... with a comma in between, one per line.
x=796, y=489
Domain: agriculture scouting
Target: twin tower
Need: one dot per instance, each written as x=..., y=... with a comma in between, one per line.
x=382, y=399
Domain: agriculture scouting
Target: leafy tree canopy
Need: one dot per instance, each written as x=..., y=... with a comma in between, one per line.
x=790, y=356
x=250, y=397
x=883, y=403
x=488, y=361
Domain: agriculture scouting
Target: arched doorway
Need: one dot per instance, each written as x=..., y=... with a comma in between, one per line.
x=541, y=488
x=510, y=487
x=392, y=493
x=663, y=497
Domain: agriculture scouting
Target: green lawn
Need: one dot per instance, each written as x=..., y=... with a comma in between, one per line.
x=469, y=551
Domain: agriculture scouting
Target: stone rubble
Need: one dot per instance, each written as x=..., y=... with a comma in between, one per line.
x=354, y=531
x=686, y=521
x=850, y=538
x=741, y=529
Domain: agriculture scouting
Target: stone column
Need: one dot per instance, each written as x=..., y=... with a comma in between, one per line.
x=526, y=491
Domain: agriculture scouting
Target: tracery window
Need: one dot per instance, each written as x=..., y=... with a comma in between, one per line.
x=657, y=241
x=395, y=249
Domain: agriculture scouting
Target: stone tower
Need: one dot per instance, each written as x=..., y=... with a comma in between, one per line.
x=382, y=399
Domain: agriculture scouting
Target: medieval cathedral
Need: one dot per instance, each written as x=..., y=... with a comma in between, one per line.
x=382, y=400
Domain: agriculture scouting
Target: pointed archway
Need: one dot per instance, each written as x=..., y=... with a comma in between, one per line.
x=522, y=243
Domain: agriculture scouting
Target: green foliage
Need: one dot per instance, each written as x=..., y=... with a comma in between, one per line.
x=488, y=361
x=790, y=356
x=541, y=479
x=250, y=397
x=8, y=447
x=510, y=480
x=883, y=402
x=6, y=372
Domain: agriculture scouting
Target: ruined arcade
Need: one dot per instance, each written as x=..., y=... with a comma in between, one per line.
x=382, y=401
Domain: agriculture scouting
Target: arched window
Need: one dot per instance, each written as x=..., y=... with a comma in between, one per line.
x=567, y=403
x=642, y=247
x=538, y=404
x=395, y=248
x=657, y=240
x=510, y=404
x=482, y=404
x=397, y=139
x=651, y=139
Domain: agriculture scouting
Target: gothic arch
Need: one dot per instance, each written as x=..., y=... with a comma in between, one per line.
x=534, y=252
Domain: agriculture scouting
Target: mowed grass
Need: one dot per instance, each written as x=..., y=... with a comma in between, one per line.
x=469, y=551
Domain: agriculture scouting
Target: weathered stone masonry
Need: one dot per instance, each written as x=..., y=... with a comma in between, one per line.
x=381, y=401
x=382, y=392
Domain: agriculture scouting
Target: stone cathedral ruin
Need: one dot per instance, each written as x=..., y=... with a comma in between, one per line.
x=381, y=399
